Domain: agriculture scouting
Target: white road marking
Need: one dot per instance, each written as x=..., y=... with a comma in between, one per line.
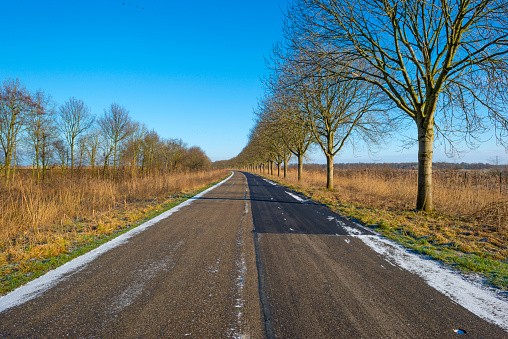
x=40, y=285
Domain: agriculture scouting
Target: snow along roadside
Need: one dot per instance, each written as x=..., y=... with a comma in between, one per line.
x=40, y=285
x=479, y=301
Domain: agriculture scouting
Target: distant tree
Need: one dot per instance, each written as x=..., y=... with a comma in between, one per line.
x=133, y=148
x=92, y=141
x=340, y=112
x=150, y=145
x=116, y=125
x=62, y=152
x=15, y=106
x=40, y=128
x=75, y=119
x=174, y=152
x=196, y=158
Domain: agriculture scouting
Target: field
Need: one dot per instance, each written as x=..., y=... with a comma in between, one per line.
x=468, y=230
x=44, y=224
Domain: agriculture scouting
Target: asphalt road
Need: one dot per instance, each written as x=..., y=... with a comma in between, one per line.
x=204, y=273
x=320, y=282
x=192, y=275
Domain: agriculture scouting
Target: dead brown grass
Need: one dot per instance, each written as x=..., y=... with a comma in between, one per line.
x=471, y=208
x=42, y=220
x=470, y=195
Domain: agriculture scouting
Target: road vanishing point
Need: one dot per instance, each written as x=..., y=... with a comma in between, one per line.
x=251, y=259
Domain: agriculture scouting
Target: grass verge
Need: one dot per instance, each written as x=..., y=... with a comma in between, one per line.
x=81, y=241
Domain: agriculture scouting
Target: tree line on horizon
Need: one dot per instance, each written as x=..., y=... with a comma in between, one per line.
x=355, y=73
x=36, y=131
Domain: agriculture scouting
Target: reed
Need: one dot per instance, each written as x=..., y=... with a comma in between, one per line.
x=474, y=195
x=45, y=219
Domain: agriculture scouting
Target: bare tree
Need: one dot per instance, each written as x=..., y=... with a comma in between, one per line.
x=288, y=115
x=341, y=112
x=75, y=118
x=133, y=148
x=116, y=125
x=92, y=141
x=270, y=136
x=443, y=63
x=15, y=105
x=196, y=159
x=174, y=152
x=62, y=152
x=39, y=128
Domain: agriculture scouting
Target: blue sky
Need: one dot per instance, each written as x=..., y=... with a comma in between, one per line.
x=188, y=69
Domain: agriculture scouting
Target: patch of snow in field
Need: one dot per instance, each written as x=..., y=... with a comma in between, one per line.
x=330, y=218
x=40, y=285
x=479, y=301
x=294, y=196
x=347, y=240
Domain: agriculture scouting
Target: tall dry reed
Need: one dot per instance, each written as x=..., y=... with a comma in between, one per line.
x=33, y=214
x=477, y=194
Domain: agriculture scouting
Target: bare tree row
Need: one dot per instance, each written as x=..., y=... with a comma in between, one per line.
x=351, y=70
x=35, y=131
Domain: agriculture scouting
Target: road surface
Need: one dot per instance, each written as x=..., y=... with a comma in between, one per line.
x=203, y=272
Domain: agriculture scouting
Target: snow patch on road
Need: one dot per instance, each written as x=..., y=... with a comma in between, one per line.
x=40, y=285
x=351, y=230
x=241, y=268
x=141, y=278
x=479, y=301
x=270, y=182
x=294, y=196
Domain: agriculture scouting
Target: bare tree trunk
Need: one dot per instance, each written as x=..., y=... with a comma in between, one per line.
x=425, y=154
x=72, y=158
x=7, y=166
x=285, y=167
x=271, y=167
x=278, y=169
x=329, y=171
x=300, y=166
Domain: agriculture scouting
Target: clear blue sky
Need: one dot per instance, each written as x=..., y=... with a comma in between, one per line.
x=188, y=69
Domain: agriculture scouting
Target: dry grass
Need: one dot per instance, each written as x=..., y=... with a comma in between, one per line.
x=39, y=221
x=471, y=207
x=470, y=195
